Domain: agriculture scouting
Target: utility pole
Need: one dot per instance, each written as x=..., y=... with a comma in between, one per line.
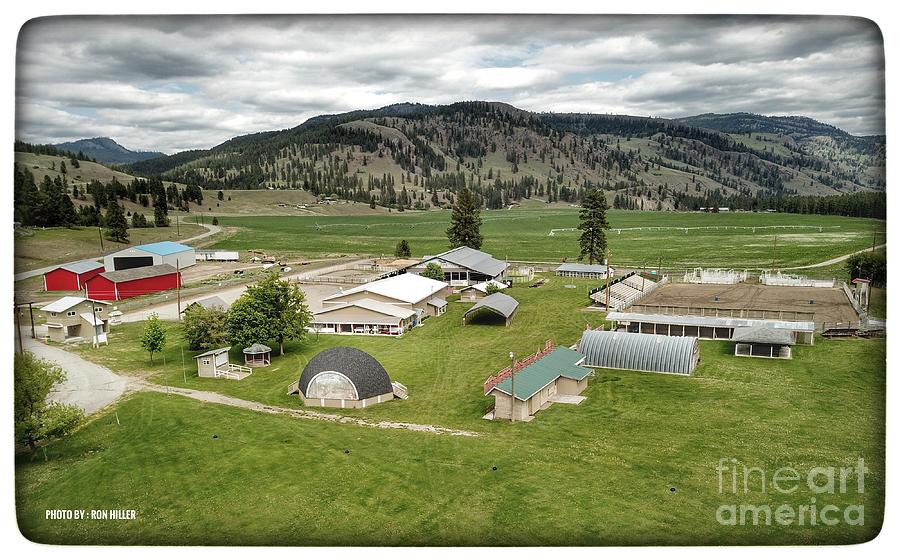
x=31, y=316
x=95, y=339
x=183, y=370
x=177, y=226
x=874, y=233
x=608, y=255
x=512, y=368
x=178, y=289
x=100, y=232
x=18, y=328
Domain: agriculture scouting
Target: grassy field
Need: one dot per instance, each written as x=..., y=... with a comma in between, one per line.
x=525, y=234
x=633, y=464
x=36, y=248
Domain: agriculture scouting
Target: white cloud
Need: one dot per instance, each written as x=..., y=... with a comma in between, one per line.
x=174, y=83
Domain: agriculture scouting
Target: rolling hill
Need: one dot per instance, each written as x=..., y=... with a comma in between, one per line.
x=106, y=150
x=418, y=155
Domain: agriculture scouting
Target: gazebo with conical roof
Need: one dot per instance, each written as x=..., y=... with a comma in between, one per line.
x=258, y=355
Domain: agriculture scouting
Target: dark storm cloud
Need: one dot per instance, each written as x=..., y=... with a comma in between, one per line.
x=174, y=83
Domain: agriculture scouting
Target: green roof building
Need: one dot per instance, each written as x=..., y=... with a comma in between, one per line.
x=552, y=375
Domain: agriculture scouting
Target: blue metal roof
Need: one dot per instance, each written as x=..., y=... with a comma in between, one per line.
x=164, y=248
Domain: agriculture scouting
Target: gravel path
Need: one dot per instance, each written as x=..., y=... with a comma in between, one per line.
x=88, y=386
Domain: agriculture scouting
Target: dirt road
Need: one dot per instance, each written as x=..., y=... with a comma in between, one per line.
x=835, y=260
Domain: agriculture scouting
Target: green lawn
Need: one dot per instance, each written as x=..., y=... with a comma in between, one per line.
x=878, y=303
x=633, y=464
x=524, y=234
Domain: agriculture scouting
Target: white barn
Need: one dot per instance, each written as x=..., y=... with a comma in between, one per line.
x=151, y=254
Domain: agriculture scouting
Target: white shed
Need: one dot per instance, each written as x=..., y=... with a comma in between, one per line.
x=162, y=252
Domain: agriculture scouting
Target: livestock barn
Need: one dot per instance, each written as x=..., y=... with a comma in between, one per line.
x=71, y=276
x=121, y=284
x=640, y=352
x=162, y=252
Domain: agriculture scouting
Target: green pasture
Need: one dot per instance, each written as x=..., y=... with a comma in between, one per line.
x=677, y=240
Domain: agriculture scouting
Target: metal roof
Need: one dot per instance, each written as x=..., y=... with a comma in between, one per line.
x=364, y=371
x=763, y=335
x=561, y=362
x=473, y=259
x=500, y=303
x=89, y=318
x=639, y=352
x=80, y=267
x=437, y=302
x=138, y=273
x=693, y=320
x=372, y=305
x=211, y=302
x=257, y=348
x=585, y=268
x=408, y=288
x=482, y=286
x=164, y=248
x=211, y=352
x=68, y=302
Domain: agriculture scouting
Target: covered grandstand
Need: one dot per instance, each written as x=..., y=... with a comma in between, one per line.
x=639, y=352
x=713, y=328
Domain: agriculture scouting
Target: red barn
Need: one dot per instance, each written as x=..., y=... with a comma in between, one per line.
x=121, y=284
x=71, y=276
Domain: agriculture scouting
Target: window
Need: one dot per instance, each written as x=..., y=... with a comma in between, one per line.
x=205, y=361
x=331, y=385
x=53, y=313
x=70, y=313
x=98, y=309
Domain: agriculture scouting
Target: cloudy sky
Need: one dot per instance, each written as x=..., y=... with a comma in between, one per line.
x=177, y=83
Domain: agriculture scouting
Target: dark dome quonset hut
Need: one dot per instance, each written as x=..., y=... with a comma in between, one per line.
x=344, y=377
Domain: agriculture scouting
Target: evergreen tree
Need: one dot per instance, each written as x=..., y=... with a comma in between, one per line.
x=592, y=225
x=402, y=250
x=116, y=223
x=160, y=212
x=465, y=222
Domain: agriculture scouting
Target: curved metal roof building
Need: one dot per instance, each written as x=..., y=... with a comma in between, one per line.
x=345, y=373
x=640, y=352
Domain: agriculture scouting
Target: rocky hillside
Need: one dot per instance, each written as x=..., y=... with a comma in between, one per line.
x=417, y=156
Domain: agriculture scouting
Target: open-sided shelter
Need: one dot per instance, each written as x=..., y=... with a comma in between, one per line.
x=763, y=342
x=497, y=303
x=257, y=355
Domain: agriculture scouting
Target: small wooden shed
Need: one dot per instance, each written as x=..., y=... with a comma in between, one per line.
x=214, y=363
x=258, y=355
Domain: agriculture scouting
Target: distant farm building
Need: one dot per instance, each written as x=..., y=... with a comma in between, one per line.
x=498, y=304
x=71, y=276
x=132, y=282
x=162, y=252
x=477, y=291
x=215, y=364
x=639, y=352
x=464, y=266
x=519, y=274
x=713, y=328
x=389, y=306
x=215, y=255
x=344, y=377
x=73, y=317
x=578, y=270
x=552, y=375
x=763, y=342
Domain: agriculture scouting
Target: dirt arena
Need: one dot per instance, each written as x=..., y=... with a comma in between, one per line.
x=831, y=305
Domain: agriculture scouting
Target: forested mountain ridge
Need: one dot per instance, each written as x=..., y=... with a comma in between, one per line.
x=106, y=150
x=417, y=156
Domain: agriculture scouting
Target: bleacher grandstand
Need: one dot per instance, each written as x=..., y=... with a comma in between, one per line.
x=624, y=291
